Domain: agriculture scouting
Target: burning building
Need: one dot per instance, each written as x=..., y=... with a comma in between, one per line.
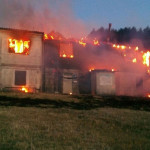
x=90, y=66
x=21, y=60
x=61, y=67
x=33, y=61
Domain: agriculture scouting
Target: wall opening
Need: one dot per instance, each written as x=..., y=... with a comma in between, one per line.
x=20, y=77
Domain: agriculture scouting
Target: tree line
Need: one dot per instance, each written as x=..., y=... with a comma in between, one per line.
x=127, y=35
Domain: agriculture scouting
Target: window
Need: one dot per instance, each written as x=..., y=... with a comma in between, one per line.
x=20, y=77
x=66, y=50
x=19, y=46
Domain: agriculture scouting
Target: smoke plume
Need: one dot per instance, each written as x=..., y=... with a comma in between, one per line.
x=41, y=15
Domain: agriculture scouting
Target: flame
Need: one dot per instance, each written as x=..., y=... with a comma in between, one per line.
x=52, y=37
x=114, y=45
x=45, y=36
x=71, y=56
x=96, y=42
x=134, y=60
x=24, y=89
x=19, y=46
x=118, y=46
x=137, y=48
x=123, y=47
x=146, y=58
x=64, y=55
x=91, y=69
x=81, y=42
x=148, y=95
x=113, y=69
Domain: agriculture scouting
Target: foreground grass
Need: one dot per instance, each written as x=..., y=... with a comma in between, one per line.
x=44, y=121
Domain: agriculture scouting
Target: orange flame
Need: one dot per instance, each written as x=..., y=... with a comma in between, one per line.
x=52, y=37
x=81, y=42
x=134, y=60
x=113, y=69
x=137, y=48
x=96, y=42
x=114, y=45
x=146, y=58
x=91, y=69
x=17, y=46
x=148, y=95
x=45, y=36
x=24, y=89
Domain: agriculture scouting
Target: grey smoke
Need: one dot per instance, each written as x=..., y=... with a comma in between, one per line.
x=41, y=15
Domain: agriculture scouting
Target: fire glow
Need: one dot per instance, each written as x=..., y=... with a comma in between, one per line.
x=81, y=42
x=96, y=42
x=19, y=46
x=24, y=89
x=146, y=58
x=48, y=37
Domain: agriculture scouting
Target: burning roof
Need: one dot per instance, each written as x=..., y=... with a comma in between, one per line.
x=95, y=54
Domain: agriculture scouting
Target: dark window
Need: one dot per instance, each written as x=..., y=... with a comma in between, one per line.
x=20, y=77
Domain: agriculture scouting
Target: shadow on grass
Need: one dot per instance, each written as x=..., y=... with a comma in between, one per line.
x=85, y=102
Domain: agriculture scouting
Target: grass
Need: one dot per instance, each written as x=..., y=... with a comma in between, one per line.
x=64, y=122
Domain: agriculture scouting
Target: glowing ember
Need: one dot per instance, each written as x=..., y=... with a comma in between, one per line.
x=96, y=42
x=81, y=42
x=137, y=48
x=24, y=89
x=91, y=69
x=134, y=60
x=118, y=46
x=71, y=56
x=112, y=69
x=64, y=55
x=146, y=58
x=70, y=93
x=123, y=47
x=19, y=46
x=114, y=45
x=148, y=95
x=66, y=50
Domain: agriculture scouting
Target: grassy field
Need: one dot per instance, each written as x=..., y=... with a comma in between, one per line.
x=64, y=122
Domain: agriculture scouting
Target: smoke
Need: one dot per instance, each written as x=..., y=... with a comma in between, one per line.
x=41, y=15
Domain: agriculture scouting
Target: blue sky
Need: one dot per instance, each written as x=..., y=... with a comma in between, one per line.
x=121, y=13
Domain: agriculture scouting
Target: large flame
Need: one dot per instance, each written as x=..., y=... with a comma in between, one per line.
x=19, y=46
x=146, y=58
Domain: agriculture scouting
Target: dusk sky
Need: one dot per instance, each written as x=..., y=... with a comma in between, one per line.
x=121, y=13
x=74, y=18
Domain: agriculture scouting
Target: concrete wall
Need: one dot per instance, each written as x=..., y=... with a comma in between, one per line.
x=129, y=84
x=103, y=83
x=11, y=62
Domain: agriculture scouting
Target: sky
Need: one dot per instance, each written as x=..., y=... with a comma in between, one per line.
x=121, y=13
x=74, y=18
